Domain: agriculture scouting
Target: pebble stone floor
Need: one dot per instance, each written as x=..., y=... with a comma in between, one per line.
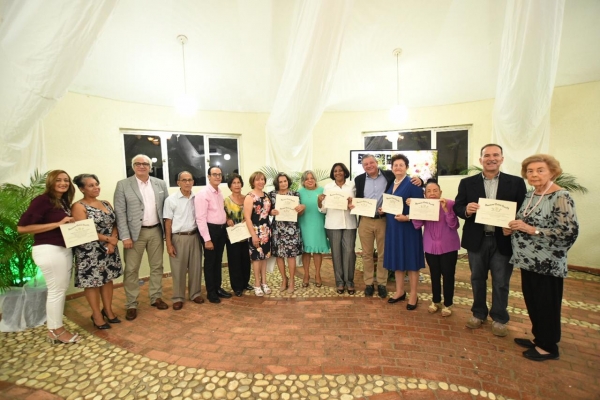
x=313, y=344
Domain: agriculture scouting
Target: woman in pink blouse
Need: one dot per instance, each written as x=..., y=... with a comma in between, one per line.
x=441, y=244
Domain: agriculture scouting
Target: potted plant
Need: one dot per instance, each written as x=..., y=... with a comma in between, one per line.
x=17, y=268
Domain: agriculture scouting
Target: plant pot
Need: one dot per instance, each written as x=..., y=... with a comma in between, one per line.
x=23, y=308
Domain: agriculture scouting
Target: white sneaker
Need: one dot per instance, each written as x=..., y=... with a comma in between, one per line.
x=258, y=291
x=266, y=288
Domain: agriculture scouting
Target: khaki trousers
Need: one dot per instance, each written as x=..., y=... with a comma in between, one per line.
x=150, y=240
x=187, y=261
x=371, y=230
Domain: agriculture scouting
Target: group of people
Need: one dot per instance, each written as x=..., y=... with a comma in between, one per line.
x=194, y=225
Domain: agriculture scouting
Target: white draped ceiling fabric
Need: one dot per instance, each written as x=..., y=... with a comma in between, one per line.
x=306, y=82
x=528, y=64
x=43, y=45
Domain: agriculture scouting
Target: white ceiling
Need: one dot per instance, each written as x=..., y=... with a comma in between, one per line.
x=237, y=51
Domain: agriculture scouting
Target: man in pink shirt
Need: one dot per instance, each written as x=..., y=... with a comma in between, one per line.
x=212, y=221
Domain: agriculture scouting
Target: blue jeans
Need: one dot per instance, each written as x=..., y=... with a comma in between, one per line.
x=488, y=258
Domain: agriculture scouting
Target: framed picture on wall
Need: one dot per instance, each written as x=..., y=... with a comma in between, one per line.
x=422, y=163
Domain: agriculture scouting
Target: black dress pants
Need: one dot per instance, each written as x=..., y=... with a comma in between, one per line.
x=213, y=259
x=238, y=259
x=442, y=265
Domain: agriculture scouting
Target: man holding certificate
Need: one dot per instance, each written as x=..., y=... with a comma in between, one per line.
x=183, y=242
x=488, y=248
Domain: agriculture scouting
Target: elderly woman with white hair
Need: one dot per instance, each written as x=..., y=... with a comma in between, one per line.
x=312, y=226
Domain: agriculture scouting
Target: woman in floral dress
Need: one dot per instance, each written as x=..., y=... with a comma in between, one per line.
x=257, y=207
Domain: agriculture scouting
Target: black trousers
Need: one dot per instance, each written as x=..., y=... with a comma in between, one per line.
x=238, y=259
x=543, y=298
x=213, y=259
x=442, y=265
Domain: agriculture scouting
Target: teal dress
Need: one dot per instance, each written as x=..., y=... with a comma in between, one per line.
x=312, y=222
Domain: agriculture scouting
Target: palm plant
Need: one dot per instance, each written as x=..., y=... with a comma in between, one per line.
x=271, y=173
x=16, y=263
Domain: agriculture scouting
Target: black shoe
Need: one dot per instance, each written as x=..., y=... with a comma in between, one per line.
x=223, y=294
x=369, y=290
x=115, y=320
x=411, y=307
x=214, y=300
x=238, y=293
x=105, y=326
x=249, y=287
x=392, y=300
x=533, y=354
x=382, y=291
x=528, y=344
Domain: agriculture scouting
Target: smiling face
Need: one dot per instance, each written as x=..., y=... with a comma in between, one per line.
x=310, y=182
x=141, y=167
x=62, y=183
x=370, y=166
x=338, y=174
x=538, y=174
x=236, y=186
x=491, y=160
x=259, y=182
x=283, y=183
x=215, y=177
x=399, y=169
x=91, y=188
x=432, y=191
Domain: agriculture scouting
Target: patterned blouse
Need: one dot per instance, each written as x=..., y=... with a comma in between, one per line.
x=234, y=211
x=555, y=218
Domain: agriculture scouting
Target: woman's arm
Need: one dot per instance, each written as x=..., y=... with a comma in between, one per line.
x=39, y=228
x=248, y=207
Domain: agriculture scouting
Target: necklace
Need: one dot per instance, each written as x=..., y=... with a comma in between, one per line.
x=525, y=213
x=397, y=182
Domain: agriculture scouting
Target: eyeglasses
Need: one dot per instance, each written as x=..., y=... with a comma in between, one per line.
x=141, y=164
x=216, y=175
x=186, y=180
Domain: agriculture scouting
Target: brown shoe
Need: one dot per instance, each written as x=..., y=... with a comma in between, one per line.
x=161, y=305
x=178, y=305
x=131, y=314
x=198, y=300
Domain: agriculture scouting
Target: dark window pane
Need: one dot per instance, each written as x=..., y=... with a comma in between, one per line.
x=453, y=152
x=186, y=153
x=377, y=143
x=224, y=154
x=415, y=141
x=148, y=145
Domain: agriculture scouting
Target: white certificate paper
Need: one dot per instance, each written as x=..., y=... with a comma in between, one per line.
x=495, y=212
x=392, y=204
x=79, y=232
x=238, y=232
x=364, y=207
x=336, y=200
x=286, y=205
x=425, y=209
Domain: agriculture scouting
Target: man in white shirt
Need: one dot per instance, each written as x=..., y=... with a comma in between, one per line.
x=183, y=242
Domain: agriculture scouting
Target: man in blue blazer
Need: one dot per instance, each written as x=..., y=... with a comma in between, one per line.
x=488, y=248
x=138, y=204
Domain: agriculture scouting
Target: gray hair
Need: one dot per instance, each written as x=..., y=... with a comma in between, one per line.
x=305, y=175
x=184, y=172
x=141, y=156
x=369, y=156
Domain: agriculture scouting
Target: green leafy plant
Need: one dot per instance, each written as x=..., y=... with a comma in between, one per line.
x=16, y=263
x=271, y=173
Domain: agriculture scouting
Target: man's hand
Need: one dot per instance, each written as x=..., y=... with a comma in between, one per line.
x=209, y=245
x=171, y=250
x=471, y=209
x=128, y=244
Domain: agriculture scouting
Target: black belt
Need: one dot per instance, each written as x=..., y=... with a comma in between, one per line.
x=190, y=233
x=220, y=226
x=150, y=227
x=487, y=233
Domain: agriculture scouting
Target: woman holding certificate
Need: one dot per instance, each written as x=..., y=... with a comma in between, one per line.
x=403, y=243
x=287, y=239
x=43, y=219
x=340, y=226
x=257, y=207
x=238, y=257
x=312, y=225
x=441, y=244
x=545, y=229
x=97, y=262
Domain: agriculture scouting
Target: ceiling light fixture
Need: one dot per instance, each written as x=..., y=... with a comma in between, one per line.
x=185, y=104
x=398, y=113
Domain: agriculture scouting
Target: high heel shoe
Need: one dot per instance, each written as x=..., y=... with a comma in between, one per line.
x=392, y=300
x=115, y=320
x=411, y=307
x=55, y=339
x=105, y=326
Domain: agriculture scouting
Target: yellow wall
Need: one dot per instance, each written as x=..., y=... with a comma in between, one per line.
x=82, y=135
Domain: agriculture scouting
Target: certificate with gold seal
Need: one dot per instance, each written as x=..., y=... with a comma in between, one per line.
x=425, y=209
x=286, y=205
x=336, y=200
x=364, y=207
x=80, y=232
x=495, y=212
x=392, y=204
x=238, y=232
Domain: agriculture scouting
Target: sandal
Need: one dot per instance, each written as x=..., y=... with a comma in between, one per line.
x=446, y=311
x=305, y=284
x=340, y=291
x=351, y=292
x=284, y=284
x=55, y=339
x=258, y=292
x=434, y=307
x=266, y=288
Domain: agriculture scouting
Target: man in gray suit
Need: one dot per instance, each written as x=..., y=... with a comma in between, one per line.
x=139, y=208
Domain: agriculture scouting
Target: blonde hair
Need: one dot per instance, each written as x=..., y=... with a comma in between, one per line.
x=255, y=176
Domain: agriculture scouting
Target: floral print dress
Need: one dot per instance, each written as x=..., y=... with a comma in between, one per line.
x=261, y=209
x=287, y=239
